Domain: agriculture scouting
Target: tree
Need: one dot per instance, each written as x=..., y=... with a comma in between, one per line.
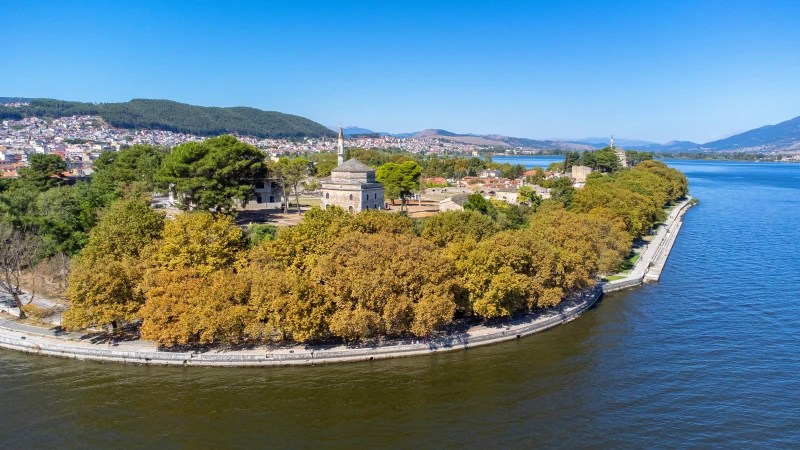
x=290, y=173
x=454, y=226
x=475, y=165
x=571, y=159
x=43, y=172
x=201, y=242
x=134, y=168
x=257, y=233
x=210, y=175
x=18, y=251
x=185, y=307
x=324, y=163
x=476, y=202
x=562, y=191
x=399, y=179
x=386, y=284
x=105, y=284
x=528, y=196
x=603, y=160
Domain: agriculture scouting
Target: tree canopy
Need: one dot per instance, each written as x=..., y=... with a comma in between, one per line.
x=213, y=173
x=399, y=180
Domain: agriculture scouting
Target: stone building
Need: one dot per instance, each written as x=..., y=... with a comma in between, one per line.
x=579, y=173
x=266, y=195
x=351, y=186
x=454, y=203
x=623, y=158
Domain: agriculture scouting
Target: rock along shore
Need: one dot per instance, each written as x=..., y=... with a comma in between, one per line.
x=42, y=341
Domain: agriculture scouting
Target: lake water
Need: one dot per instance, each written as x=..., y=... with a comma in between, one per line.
x=709, y=356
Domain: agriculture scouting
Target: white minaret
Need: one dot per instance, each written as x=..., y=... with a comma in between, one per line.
x=341, y=146
x=612, y=141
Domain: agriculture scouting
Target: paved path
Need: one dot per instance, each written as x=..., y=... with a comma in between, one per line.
x=42, y=341
x=656, y=251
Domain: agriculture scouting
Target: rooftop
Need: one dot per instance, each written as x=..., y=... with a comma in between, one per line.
x=353, y=165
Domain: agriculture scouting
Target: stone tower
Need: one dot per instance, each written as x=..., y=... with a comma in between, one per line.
x=341, y=146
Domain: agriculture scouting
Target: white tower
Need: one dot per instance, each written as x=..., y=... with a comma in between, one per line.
x=612, y=141
x=341, y=146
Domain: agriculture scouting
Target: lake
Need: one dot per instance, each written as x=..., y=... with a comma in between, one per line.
x=709, y=356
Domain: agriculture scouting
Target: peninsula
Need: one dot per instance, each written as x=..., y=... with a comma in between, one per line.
x=372, y=282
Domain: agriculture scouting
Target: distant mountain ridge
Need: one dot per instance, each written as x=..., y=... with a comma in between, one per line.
x=178, y=117
x=7, y=100
x=784, y=136
x=352, y=131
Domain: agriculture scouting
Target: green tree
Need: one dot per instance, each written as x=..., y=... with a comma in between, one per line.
x=528, y=196
x=43, y=172
x=257, y=233
x=400, y=179
x=571, y=159
x=290, y=173
x=213, y=173
x=476, y=202
x=134, y=168
x=562, y=191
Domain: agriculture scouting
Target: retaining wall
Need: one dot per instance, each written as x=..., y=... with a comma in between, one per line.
x=511, y=330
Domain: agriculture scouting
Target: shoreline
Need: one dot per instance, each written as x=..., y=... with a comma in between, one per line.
x=42, y=341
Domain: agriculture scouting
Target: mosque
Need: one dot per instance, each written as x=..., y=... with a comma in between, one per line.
x=352, y=185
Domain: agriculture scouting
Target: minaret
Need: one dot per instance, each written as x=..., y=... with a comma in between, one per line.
x=612, y=142
x=341, y=146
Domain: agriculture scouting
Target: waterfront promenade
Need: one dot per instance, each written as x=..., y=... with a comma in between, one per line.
x=653, y=258
x=44, y=341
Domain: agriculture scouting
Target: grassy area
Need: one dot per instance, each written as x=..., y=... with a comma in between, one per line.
x=629, y=262
x=614, y=277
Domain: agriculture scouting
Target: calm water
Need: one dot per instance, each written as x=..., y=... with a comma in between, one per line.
x=709, y=356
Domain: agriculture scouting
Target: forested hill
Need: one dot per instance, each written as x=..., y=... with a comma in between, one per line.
x=178, y=117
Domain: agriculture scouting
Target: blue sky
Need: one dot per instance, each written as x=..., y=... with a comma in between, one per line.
x=695, y=70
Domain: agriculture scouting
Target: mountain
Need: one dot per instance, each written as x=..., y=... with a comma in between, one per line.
x=351, y=131
x=7, y=100
x=178, y=117
x=604, y=141
x=784, y=136
x=671, y=146
x=497, y=140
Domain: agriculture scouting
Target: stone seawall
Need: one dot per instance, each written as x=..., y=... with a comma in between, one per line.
x=28, y=342
x=652, y=260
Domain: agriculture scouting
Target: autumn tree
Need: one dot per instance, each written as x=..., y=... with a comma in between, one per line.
x=302, y=245
x=559, y=253
x=287, y=304
x=105, y=282
x=185, y=307
x=386, y=284
x=450, y=226
x=201, y=242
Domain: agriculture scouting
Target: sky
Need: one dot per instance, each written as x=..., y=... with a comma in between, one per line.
x=659, y=71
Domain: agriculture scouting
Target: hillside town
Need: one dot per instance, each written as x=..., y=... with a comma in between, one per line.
x=80, y=140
